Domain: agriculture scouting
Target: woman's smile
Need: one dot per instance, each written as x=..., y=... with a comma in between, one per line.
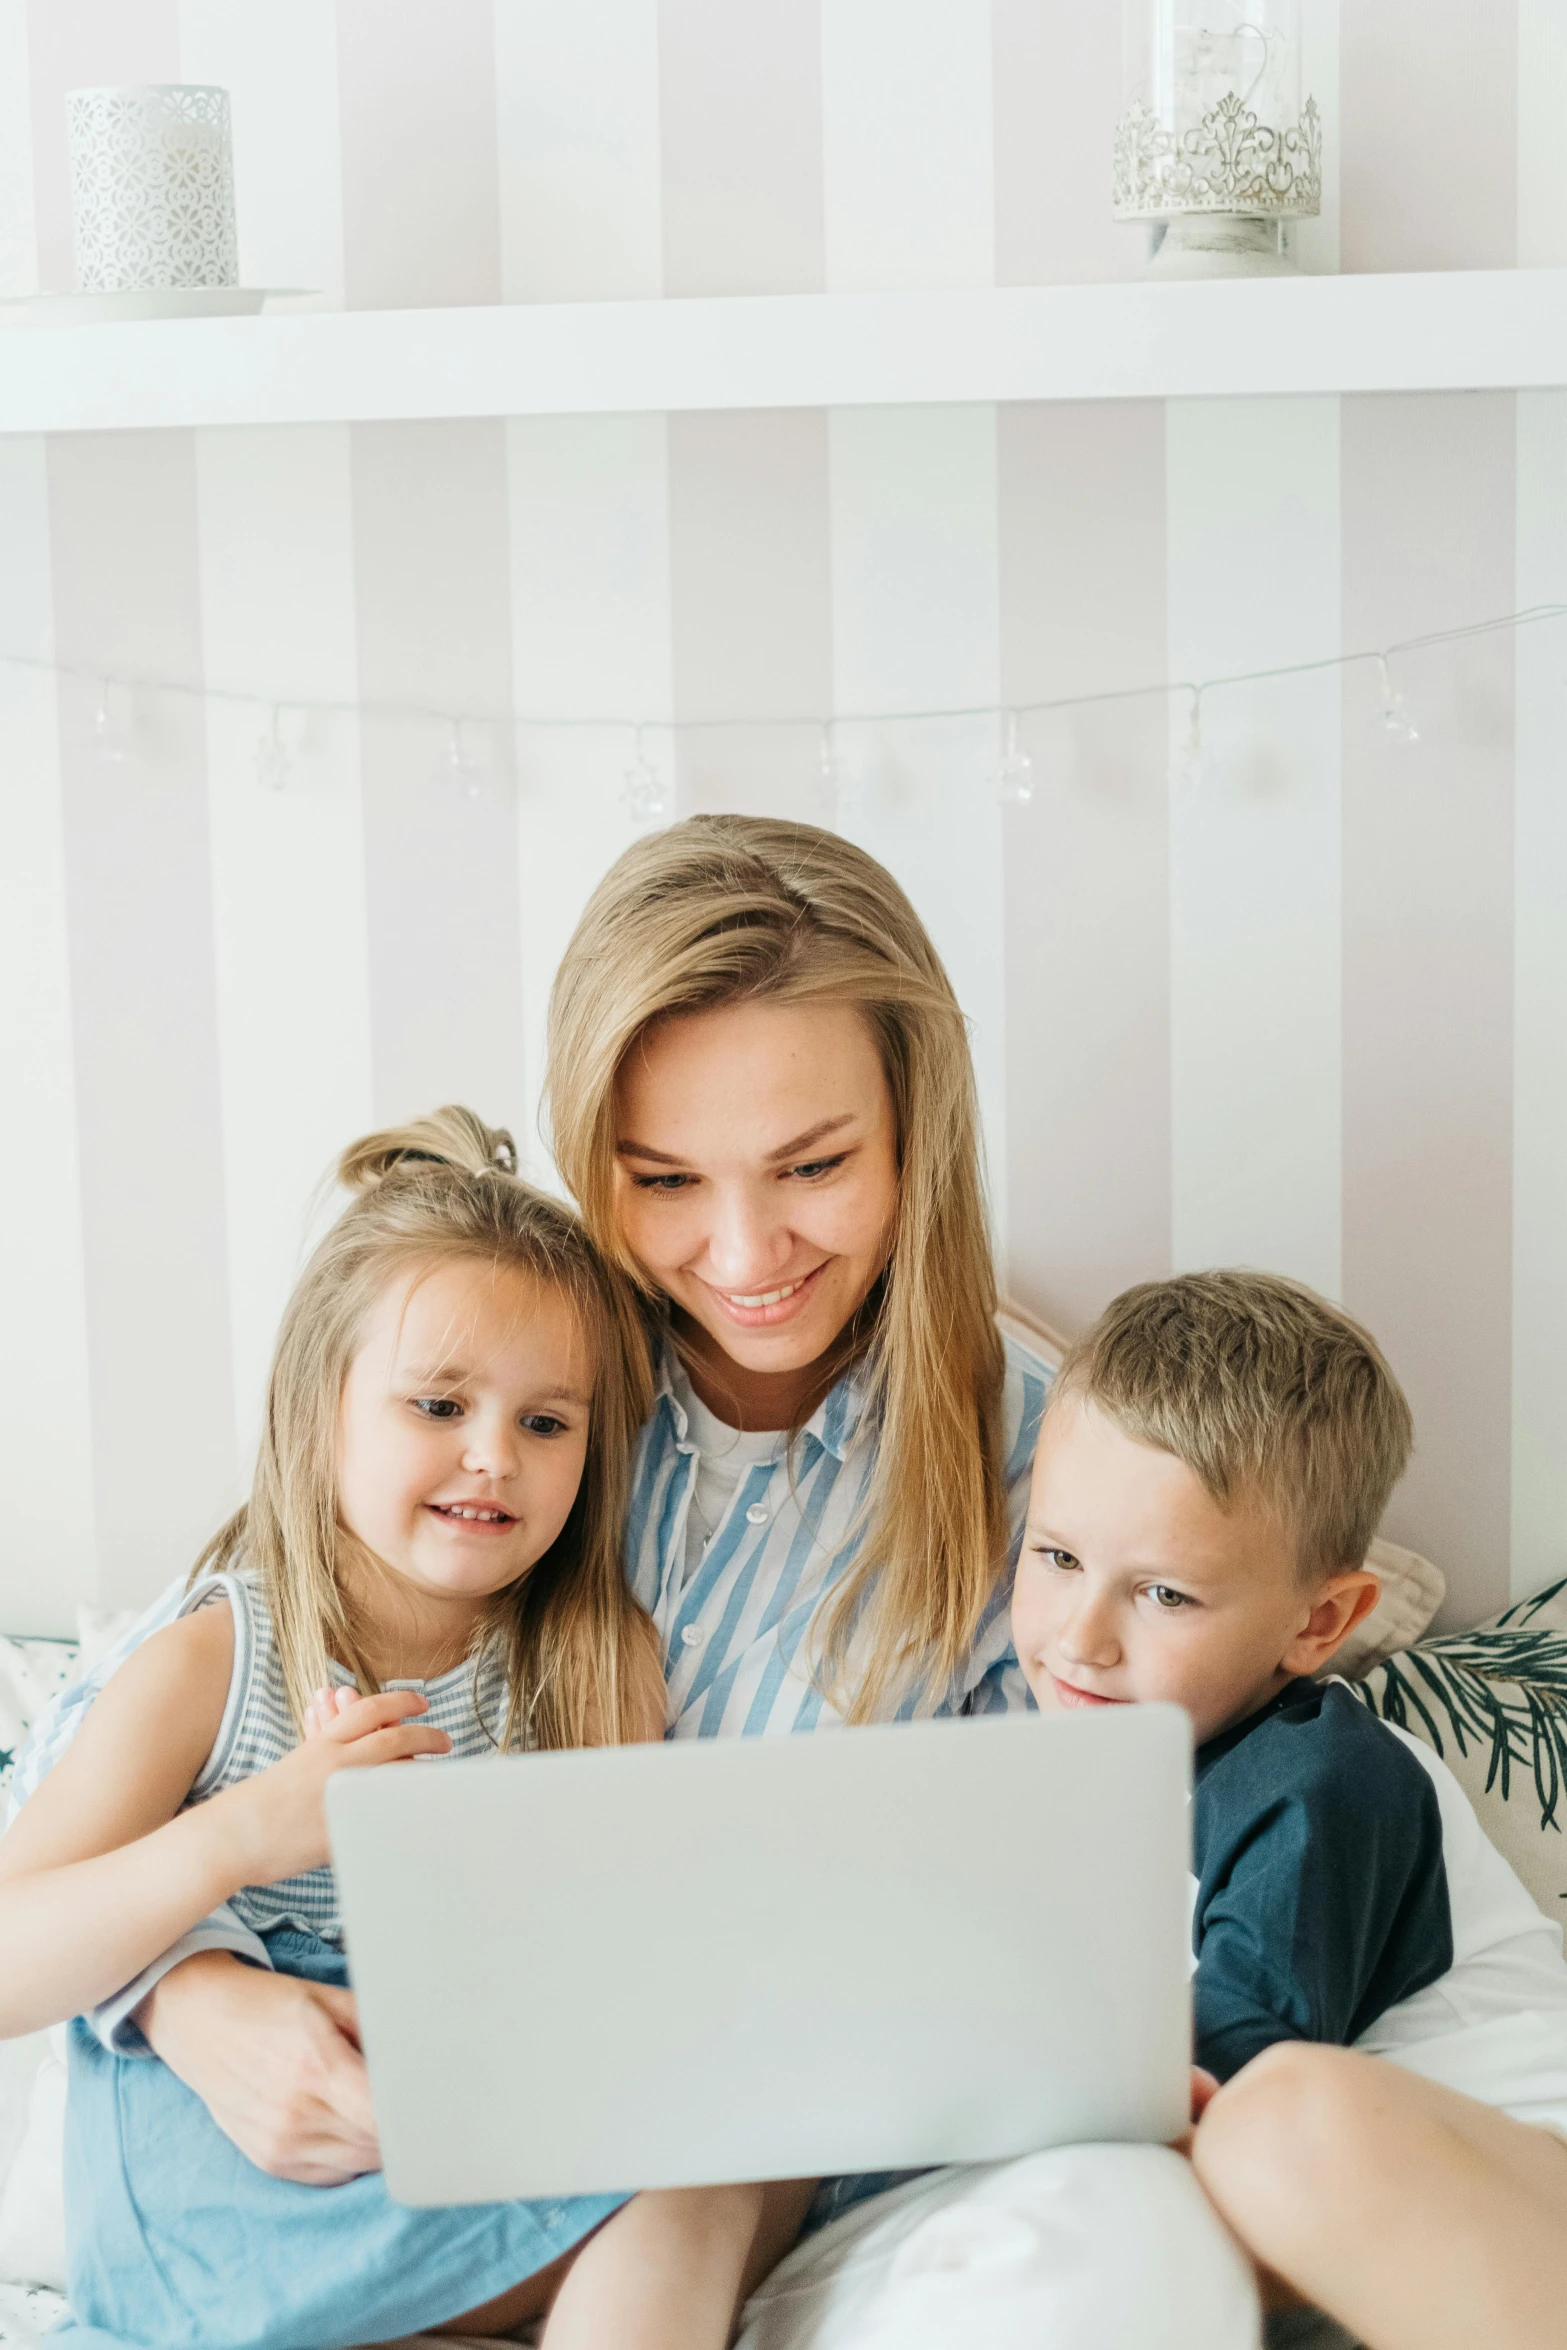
x=765, y=1308
x=758, y=1185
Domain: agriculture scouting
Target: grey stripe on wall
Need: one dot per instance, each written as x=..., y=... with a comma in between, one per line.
x=421, y=173
x=751, y=603
x=432, y=567
x=1427, y=925
x=1057, y=82
x=741, y=109
x=1087, y=878
x=1420, y=87
x=123, y=525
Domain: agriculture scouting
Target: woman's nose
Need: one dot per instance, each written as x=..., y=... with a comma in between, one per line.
x=746, y=1241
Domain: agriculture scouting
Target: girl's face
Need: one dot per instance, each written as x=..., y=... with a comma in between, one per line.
x=757, y=1182
x=463, y=1428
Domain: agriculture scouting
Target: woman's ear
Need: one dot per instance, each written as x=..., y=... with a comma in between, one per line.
x=1341, y=1603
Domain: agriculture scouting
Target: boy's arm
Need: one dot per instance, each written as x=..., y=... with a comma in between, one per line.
x=1322, y=1893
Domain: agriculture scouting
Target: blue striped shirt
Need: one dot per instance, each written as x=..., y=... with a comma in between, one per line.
x=736, y=1634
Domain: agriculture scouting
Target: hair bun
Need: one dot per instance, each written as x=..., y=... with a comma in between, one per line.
x=449, y=1137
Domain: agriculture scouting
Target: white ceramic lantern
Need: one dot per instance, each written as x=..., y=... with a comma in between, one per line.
x=1214, y=138
x=152, y=179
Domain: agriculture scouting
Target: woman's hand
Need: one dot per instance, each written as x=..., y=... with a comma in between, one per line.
x=274, y=2060
x=277, y=1820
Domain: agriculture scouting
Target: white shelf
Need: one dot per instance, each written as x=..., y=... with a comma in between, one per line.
x=1469, y=329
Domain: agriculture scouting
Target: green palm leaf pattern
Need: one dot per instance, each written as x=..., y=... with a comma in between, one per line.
x=1500, y=1693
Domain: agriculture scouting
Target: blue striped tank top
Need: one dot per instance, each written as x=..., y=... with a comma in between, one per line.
x=257, y=1730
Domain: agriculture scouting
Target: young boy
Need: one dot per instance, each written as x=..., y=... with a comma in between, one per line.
x=1214, y=1463
x=1214, y=1460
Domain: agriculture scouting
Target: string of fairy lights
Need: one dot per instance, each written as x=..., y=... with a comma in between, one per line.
x=647, y=784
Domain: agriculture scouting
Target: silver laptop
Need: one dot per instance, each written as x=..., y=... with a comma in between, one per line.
x=771, y=1958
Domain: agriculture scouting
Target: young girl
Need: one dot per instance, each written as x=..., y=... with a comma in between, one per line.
x=429, y=1563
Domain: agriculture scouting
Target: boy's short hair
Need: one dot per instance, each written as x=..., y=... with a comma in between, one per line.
x=1260, y=1387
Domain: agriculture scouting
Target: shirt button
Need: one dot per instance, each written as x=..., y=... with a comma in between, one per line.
x=693, y=1635
x=758, y=1513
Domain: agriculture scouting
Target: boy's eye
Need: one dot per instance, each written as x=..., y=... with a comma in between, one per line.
x=544, y=1424
x=1164, y=1595
x=437, y=1407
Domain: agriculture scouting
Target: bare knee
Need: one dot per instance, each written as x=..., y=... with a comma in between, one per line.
x=701, y=2218
x=1286, y=2144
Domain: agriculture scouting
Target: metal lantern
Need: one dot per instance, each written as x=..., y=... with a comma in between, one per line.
x=1214, y=140
x=152, y=177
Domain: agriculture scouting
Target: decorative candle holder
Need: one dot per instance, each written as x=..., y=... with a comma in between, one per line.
x=1214, y=139
x=152, y=180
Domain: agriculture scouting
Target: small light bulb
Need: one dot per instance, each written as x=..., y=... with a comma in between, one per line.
x=274, y=759
x=1014, y=775
x=107, y=741
x=1193, y=760
x=644, y=791
x=457, y=767
x=1395, y=717
x=829, y=781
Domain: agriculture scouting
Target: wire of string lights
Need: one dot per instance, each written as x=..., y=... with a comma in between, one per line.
x=646, y=795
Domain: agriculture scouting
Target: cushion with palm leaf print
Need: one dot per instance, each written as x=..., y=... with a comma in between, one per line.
x=1493, y=1704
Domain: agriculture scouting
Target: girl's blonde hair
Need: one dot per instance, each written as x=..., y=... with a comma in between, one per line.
x=571, y=1641
x=732, y=909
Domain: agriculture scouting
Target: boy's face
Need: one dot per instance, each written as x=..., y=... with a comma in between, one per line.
x=1133, y=1584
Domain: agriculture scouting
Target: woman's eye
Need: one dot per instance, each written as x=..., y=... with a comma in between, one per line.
x=810, y=1169
x=544, y=1424
x=1061, y=1559
x=437, y=1407
x=664, y=1183
x=1165, y=1596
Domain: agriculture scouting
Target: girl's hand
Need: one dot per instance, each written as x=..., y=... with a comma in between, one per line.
x=325, y=1707
x=279, y=1818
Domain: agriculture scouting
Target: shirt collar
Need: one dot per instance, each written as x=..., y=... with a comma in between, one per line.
x=834, y=1424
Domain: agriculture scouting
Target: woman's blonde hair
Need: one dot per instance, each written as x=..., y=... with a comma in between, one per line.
x=571, y=1641
x=732, y=909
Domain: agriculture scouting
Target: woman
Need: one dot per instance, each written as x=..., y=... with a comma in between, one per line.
x=761, y=1094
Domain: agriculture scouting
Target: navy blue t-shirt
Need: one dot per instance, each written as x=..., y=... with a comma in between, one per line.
x=1321, y=1892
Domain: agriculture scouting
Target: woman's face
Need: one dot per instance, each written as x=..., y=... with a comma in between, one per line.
x=757, y=1182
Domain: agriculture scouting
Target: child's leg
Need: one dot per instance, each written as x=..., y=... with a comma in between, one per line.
x=494, y=2320
x=671, y=2269
x=1418, y=2218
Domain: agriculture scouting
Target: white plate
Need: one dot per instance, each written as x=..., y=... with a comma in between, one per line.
x=151, y=302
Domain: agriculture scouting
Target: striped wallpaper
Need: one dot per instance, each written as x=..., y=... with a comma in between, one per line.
x=1307, y=1010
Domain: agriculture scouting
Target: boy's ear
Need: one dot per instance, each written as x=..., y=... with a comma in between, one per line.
x=1342, y=1602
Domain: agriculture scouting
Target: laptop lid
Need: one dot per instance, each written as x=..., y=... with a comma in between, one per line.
x=771, y=1958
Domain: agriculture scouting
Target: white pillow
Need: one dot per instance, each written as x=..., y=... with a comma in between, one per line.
x=1412, y=1591
x=31, y=1672
x=28, y=2313
x=97, y=1630
x=32, y=2206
